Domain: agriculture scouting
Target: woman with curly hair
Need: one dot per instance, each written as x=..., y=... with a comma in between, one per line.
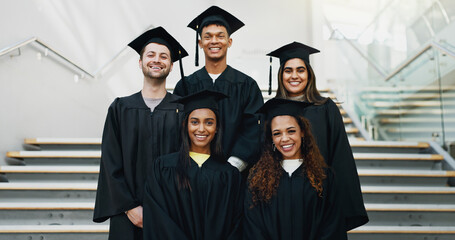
x=291, y=192
x=297, y=81
x=195, y=193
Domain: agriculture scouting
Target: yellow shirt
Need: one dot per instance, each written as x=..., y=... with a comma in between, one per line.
x=199, y=158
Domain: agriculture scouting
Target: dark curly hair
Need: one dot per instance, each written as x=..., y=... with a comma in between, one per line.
x=265, y=175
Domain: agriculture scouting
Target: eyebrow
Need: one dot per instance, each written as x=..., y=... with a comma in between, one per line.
x=296, y=67
x=286, y=129
x=161, y=53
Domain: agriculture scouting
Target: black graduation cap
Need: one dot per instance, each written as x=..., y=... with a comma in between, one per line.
x=161, y=36
x=202, y=99
x=280, y=106
x=214, y=15
x=290, y=51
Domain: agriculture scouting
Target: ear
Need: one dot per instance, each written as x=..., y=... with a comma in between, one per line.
x=199, y=43
x=140, y=63
x=172, y=64
x=229, y=42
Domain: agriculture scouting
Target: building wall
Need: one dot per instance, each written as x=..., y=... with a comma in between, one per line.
x=40, y=96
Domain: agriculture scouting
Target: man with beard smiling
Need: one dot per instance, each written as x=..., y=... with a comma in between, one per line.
x=138, y=129
x=239, y=122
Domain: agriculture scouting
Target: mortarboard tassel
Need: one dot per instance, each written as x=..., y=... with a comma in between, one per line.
x=270, y=77
x=197, y=49
x=181, y=65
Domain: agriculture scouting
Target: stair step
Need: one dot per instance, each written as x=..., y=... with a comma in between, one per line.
x=398, y=156
x=410, y=207
x=413, y=111
x=427, y=103
x=63, y=141
x=47, y=205
x=404, y=229
x=352, y=130
x=50, y=169
x=96, y=228
x=375, y=96
x=54, y=154
x=388, y=144
x=407, y=189
x=416, y=120
x=36, y=186
x=418, y=129
x=404, y=173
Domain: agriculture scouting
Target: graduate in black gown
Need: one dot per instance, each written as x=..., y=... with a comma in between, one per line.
x=297, y=81
x=138, y=129
x=195, y=193
x=291, y=194
x=241, y=131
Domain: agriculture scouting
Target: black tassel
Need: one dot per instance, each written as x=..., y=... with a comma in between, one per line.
x=181, y=65
x=270, y=77
x=197, y=49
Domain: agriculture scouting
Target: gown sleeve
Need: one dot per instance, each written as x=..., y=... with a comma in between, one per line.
x=246, y=146
x=157, y=222
x=113, y=194
x=333, y=226
x=252, y=220
x=345, y=169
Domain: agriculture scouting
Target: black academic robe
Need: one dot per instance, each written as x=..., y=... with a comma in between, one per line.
x=211, y=210
x=240, y=124
x=296, y=212
x=328, y=129
x=133, y=136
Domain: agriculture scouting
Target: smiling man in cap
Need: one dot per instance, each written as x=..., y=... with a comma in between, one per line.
x=138, y=129
x=240, y=124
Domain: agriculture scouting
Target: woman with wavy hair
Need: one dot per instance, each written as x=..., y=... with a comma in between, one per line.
x=297, y=81
x=195, y=193
x=291, y=191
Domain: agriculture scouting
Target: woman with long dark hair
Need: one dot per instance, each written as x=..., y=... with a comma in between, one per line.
x=194, y=193
x=291, y=191
x=297, y=81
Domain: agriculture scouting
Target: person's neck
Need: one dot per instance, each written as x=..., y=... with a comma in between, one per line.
x=202, y=150
x=215, y=67
x=154, y=88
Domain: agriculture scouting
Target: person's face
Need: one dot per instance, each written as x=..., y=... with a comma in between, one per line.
x=215, y=42
x=295, y=77
x=156, y=61
x=287, y=136
x=201, y=129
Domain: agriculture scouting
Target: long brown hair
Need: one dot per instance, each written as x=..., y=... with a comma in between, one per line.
x=265, y=175
x=311, y=93
x=184, y=162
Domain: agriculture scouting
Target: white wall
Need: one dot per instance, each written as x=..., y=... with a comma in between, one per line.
x=38, y=95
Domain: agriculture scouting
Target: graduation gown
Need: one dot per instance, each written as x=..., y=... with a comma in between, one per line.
x=133, y=136
x=211, y=210
x=328, y=129
x=241, y=132
x=296, y=212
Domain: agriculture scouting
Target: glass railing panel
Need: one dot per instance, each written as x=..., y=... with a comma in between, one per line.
x=447, y=72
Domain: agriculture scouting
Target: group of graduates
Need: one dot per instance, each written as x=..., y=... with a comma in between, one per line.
x=212, y=161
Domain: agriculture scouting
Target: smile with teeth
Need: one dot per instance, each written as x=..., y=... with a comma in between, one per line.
x=287, y=147
x=215, y=48
x=201, y=137
x=294, y=83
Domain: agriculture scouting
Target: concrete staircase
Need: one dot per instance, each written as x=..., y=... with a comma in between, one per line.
x=410, y=114
x=51, y=191
x=52, y=185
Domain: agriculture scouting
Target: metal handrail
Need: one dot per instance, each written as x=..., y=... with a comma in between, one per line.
x=418, y=54
x=35, y=39
x=100, y=70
